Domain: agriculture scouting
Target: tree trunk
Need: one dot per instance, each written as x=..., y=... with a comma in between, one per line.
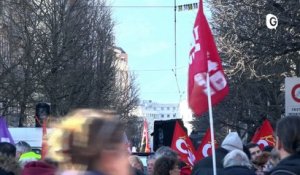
x=298, y=68
x=22, y=115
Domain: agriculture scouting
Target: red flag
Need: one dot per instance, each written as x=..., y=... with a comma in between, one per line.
x=204, y=58
x=204, y=149
x=264, y=135
x=182, y=144
x=145, y=145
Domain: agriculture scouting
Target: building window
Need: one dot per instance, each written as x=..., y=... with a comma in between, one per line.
x=174, y=115
x=154, y=108
x=162, y=108
x=168, y=116
x=174, y=108
x=162, y=116
x=168, y=108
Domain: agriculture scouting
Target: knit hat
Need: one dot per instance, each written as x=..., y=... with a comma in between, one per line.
x=232, y=141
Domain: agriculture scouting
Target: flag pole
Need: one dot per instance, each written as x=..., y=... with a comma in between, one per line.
x=212, y=135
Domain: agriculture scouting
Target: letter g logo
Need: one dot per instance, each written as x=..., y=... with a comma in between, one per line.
x=271, y=21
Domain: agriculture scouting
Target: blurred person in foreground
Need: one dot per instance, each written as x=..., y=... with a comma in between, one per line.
x=39, y=168
x=236, y=162
x=288, y=146
x=8, y=163
x=89, y=142
x=166, y=166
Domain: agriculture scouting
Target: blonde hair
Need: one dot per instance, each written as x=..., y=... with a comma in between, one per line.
x=78, y=140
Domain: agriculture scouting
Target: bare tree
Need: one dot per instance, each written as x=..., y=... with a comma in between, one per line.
x=256, y=58
x=61, y=52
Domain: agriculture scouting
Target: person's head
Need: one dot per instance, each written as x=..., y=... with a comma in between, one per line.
x=166, y=166
x=8, y=163
x=90, y=140
x=262, y=159
x=165, y=151
x=232, y=141
x=7, y=149
x=136, y=162
x=150, y=164
x=247, y=152
x=236, y=158
x=254, y=150
x=22, y=147
x=288, y=136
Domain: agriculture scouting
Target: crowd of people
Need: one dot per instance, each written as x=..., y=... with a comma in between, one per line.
x=91, y=142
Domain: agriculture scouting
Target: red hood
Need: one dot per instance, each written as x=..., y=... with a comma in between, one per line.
x=38, y=167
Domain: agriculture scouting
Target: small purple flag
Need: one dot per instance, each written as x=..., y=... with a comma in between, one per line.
x=5, y=135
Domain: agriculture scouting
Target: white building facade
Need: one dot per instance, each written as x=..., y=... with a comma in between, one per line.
x=153, y=111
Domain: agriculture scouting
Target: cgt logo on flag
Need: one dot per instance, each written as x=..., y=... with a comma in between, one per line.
x=182, y=144
x=205, y=148
x=206, y=151
x=264, y=135
x=204, y=59
x=184, y=148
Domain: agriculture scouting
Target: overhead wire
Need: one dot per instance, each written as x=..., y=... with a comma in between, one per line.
x=174, y=70
x=157, y=70
x=175, y=52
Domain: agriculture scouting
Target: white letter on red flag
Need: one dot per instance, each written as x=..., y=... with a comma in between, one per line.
x=204, y=58
x=204, y=149
x=182, y=144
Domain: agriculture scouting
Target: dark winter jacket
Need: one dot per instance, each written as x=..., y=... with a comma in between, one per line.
x=74, y=172
x=288, y=166
x=205, y=166
x=9, y=166
x=238, y=170
x=38, y=168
